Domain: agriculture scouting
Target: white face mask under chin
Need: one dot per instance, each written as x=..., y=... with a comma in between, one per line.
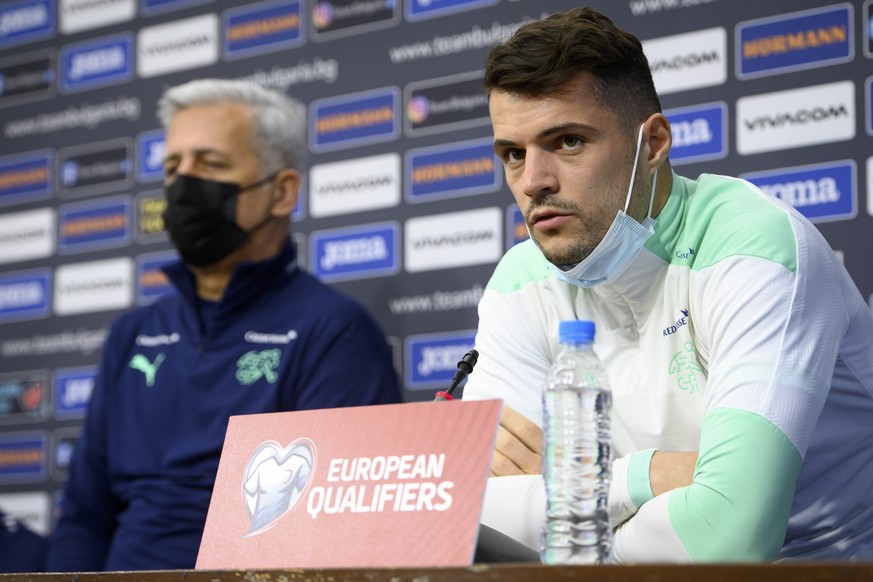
x=622, y=242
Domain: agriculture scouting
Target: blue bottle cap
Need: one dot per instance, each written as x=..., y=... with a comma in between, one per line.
x=576, y=331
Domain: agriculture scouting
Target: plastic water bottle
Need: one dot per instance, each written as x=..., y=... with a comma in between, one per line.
x=577, y=452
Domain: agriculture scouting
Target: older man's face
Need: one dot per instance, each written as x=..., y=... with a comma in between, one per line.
x=214, y=142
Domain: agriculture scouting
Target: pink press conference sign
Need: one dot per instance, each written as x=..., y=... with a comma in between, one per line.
x=396, y=485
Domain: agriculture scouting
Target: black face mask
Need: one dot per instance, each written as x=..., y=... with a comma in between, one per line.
x=201, y=218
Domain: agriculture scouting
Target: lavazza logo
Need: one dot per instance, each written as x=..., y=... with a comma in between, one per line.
x=27, y=235
x=456, y=239
x=177, y=46
x=795, y=118
x=688, y=61
x=94, y=286
x=354, y=185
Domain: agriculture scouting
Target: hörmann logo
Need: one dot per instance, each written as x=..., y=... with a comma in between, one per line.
x=355, y=253
x=25, y=21
x=516, y=230
x=93, y=168
x=456, y=239
x=698, y=133
x=338, y=18
x=688, y=61
x=177, y=46
x=821, y=192
x=100, y=224
x=450, y=170
x=445, y=104
x=355, y=119
x=25, y=177
x=27, y=235
x=24, y=396
x=97, y=63
x=73, y=387
x=262, y=28
x=94, y=286
x=151, y=282
x=79, y=15
x=355, y=185
x=150, y=156
x=795, y=41
x=796, y=118
x=24, y=295
x=23, y=457
x=27, y=78
x=432, y=359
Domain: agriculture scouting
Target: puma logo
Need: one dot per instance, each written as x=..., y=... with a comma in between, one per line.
x=141, y=363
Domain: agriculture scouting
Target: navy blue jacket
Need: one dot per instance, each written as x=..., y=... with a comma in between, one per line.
x=142, y=474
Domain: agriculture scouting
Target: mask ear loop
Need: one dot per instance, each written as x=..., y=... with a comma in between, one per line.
x=630, y=187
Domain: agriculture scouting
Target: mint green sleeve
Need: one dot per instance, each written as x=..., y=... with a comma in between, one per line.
x=737, y=508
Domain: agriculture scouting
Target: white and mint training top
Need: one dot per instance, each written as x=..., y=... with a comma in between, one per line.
x=736, y=332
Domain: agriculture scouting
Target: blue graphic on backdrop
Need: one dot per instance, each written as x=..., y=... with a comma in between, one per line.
x=25, y=295
x=150, y=156
x=698, y=133
x=355, y=253
x=821, y=192
x=26, y=177
x=356, y=119
x=261, y=28
x=26, y=21
x=420, y=9
x=73, y=387
x=97, y=63
x=432, y=359
x=790, y=42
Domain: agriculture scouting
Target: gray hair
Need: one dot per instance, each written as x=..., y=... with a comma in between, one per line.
x=279, y=120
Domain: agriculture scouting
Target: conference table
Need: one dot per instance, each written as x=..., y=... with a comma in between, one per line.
x=809, y=572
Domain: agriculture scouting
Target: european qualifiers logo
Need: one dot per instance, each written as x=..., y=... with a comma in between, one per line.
x=24, y=396
x=26, y=177
x=96, y=63
x=151, y=282
x=421, y=9
x=451, y=170
x=27, y=235
x=78, y=15
x=25, y=295
x=95, y=168
x=821, y=192
x=688, y=61
x=445, y=104
x=516, y=229
x=796, y=118
x=177, y=45
x=795, y=41
x=23, y=457
x=698, y=133
x=354, y=120
x=150, y=156
x=432, y=359
x=149, y=217
x=72, y=391
x=150, y=7
x=358, y=252
x=356, y=185
x=338, y=18
x=94, y=225
x=27, y=78
x=275, y=480
x=454, y=239
x=24, y=21
x=261, y=28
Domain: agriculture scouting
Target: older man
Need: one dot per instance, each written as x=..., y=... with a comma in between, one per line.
x=246, y=332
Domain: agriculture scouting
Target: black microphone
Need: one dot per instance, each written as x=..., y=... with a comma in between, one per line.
x=465, y=366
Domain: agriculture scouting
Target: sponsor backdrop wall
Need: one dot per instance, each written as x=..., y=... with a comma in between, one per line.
x=405, y=206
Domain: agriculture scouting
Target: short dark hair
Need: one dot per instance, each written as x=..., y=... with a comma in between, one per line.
x=544, y=56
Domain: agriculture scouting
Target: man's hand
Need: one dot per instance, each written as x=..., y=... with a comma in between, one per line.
x=519, y=446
